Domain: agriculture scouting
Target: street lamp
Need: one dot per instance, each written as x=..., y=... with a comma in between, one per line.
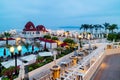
x=89, y=36
x=19, y=48
x=80, y=43
x=54, y=54
x=12, y=51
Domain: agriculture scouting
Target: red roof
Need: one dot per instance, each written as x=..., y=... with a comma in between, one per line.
x=29, y=27
x=2, y=39
x=63, y=44
x=46, y=40
x=41, y=28
x=11, y=39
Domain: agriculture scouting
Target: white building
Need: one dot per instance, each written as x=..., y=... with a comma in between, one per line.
x=31, y=31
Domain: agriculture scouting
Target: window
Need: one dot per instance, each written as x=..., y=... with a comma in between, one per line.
x=31, y=27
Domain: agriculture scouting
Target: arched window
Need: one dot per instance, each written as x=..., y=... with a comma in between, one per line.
x=31, y=27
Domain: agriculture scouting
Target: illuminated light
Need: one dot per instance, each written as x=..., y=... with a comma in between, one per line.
x=12, y=49
x=19, y=48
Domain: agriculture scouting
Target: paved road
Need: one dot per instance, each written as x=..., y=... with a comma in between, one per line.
x=109, y=69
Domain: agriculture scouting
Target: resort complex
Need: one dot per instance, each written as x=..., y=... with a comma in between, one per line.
x=37, y=53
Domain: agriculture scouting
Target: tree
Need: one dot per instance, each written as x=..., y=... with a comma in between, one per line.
x=112, y=27
x=69, y=41
x=112, y=36
x=6, y=35
x=55, y=38
x=106, y=25
x=91, y=27
x=47, y=37
x=97, y=27
x=26, y=45
x=85, y=27
x=9, y=72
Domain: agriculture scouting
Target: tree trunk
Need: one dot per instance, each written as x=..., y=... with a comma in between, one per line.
x=6, y=41
x=112, y=31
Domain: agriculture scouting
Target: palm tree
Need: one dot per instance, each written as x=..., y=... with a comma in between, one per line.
x=91, y=27
x=26, y=45
x=100, y=27
x=85, y=27
x=6, y=35
x=112, y=27
x=96, y=29
x=106, y=25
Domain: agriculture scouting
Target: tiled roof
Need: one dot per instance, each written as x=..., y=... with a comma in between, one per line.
x=41, y=28
x=2, y=39
x=29, y=27
x=46, y=40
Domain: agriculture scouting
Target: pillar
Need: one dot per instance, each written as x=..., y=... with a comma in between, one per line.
x=56, y=71
x=74, y=60
x=92, y=61
x=109, y=46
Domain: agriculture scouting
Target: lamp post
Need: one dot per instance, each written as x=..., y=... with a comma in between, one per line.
x=19, y=48
x=54, y=54
x=12, y=51
x=56, y=68
x=80, y=43
x=89, y=36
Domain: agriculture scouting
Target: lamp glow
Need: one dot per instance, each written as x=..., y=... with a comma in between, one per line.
x=12, y=49
x=19, y=48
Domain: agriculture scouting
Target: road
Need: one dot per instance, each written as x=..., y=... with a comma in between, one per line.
x=109, y=69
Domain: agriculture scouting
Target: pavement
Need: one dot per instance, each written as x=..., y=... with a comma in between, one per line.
x=109, y=69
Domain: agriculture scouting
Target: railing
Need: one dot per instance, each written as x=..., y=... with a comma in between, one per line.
x=48, y=76
x=97, y=53
x=98, y=61
x=37, y=72
x=93, y=67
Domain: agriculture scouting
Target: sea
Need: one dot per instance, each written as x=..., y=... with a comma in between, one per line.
x=65, y=28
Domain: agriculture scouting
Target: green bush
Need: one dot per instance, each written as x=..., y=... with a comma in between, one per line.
x=5, y=78
x=112, y=36
x=47, y=37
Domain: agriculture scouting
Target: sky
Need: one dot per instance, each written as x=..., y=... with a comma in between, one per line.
x=14, y=14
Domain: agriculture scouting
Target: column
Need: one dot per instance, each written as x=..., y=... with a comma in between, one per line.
x=74, y=60
x=56, y=71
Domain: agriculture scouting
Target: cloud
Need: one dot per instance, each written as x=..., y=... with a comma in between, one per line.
x=58, y=12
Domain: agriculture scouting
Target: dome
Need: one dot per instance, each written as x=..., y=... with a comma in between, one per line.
x=29, y=27
x=41, y=28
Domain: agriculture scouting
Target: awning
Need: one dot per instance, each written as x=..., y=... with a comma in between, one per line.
x=46, y=40
x=9, y=63
x=29, y=57
x=45, y=54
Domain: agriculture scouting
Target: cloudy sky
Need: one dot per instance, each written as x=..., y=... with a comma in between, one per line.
x=53, y=13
